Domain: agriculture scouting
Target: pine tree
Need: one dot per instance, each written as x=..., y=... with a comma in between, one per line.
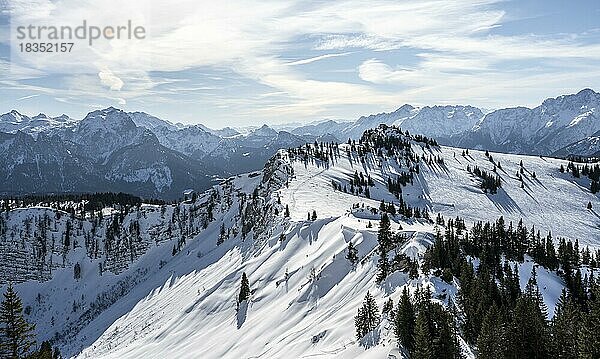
x=565, y=328
x=16, y=334
x=77, y=271
x=367, y=318
x=528, y=333
x=404, y=321
x=423, y=347
x=244, y=289
x=384, y=237
x=352, y=254
x=589, y=335
x=490, y=343
x=445, y=340
x=45, y=352
x=589, y=205
x=388, y=308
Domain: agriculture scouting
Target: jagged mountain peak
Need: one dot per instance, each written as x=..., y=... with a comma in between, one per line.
x=545, y=129
x=264, y=130
x=40, y=116
x=13, y=116
x=405, y=107
x=110, y=119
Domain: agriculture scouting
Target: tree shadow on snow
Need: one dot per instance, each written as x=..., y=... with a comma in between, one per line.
x=242, y=313
x=504, y=202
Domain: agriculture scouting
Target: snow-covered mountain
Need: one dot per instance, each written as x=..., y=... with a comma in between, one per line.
x=432, y=121
x=244, y=153
x=552, y=126
x=132, y=152
x=588, y=147
x=105, y=151
x=562, y=126
x=102, y=132
x=13, y=121
x=162, y=281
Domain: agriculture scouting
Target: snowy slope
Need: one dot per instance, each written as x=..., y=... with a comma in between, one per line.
x=552, y=201
x=304, y=292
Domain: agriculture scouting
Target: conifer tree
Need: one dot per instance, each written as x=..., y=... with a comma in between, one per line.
x=404, y=321
x=384, y=237
x=528, y=333
x=16, y=334
x=490, y=343
x=445, y=340
x=367, y=317
x=388, y=308
x=423, y=347
x=352, y=254
x=244, y=289
x=589, y=335
x=565, y=328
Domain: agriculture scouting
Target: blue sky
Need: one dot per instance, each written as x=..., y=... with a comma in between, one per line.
x=241, y=63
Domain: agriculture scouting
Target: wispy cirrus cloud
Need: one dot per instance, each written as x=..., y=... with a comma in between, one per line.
x=27, y=97
x=317, y=58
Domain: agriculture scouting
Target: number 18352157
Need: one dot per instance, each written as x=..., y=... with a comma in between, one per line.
x=46, y=46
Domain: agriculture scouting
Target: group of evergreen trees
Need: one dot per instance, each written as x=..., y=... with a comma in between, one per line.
x=401, y=180
x=423, y=328
x=388, y=242
x=499, y=319
x=592, y=171
x=492, y=313
x=358, y=184
x=489, y=182
x=17, y=338
x=321, y=151
x=392, y=137
x=367, y=318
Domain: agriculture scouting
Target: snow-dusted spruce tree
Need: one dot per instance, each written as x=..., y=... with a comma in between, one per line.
x=491, y=340
x=423, y=347
x=384, y=237
x=16, y=334
x=352, y=255
x=367, y=317
x=404, y=321
x=244, y=289
x=565, y=327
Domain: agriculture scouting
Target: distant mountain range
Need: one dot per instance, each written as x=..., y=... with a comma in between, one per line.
x=141, y=154
x=111, y=150
x=561, y=126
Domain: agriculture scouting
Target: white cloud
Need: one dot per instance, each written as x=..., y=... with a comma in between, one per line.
x=27, y=97
x=317, y=58
x=377, y=72
x=109, y=80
